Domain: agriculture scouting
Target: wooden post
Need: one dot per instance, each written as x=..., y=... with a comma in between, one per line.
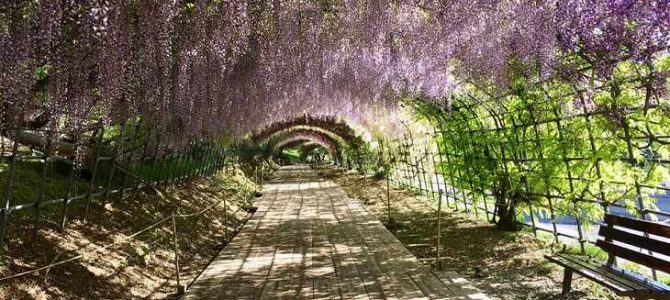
x=388, y=199
x=180, y=288
x=256, y=176
x=225, y=219
x=438, y=263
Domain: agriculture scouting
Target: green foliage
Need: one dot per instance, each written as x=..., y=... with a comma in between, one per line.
x=558, y=145
x=291, y=156
x=28, y=186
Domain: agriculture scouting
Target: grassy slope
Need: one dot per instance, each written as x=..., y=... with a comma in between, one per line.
x=141, y=268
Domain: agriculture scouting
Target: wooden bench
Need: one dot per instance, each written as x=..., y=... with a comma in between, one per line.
x=635, y=240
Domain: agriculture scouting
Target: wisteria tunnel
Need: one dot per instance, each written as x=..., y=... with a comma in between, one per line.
x=334, y=149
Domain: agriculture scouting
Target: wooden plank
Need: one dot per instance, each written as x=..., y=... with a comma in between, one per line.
x=395, y=264
x=326, y=225
x=281, y=261
x=636, y=256
x=617, y=286
x=373, y=279
x=292, y=282
x=352, y=285
x=459, y=286
x=309, y=240
x=640, y=241
x=325, y=277
x=655, y=286
x=639, y=225
x=430, y=285
x=638, y=286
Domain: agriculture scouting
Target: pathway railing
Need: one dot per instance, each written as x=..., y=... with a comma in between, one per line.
x=104, y=170
x=172, y=221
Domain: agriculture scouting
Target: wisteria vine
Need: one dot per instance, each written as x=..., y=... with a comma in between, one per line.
x=202, y=67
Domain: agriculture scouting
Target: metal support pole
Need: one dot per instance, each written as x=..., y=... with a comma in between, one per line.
x=438, y=245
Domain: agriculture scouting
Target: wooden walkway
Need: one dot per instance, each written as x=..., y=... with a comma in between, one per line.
x=309, y=241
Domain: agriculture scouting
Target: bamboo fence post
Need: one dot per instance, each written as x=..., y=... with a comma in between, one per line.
x=129, y=160
x=225, y=219
x=70, y=184
x=43, y=179
x=438, y=245
x=91, y=185
x=119, y=148
x=4, y=213
x=153, y=173
x=180, y=288
x=388, y=200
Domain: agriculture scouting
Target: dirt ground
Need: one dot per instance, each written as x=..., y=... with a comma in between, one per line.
x=139, y=267
x=504, y=265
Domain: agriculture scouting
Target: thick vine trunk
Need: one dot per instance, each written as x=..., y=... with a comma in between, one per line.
x=506, y=215
x=62, y=149
x=40, y=143
x=505, y=208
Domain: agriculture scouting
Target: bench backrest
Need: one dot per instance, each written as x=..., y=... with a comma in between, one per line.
x=635, y=238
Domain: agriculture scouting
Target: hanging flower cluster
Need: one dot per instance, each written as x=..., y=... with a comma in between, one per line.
x=201, y=67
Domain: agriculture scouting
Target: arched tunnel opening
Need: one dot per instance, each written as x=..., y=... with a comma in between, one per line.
x=307, y=139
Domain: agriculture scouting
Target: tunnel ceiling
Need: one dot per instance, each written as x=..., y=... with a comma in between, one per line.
x=195, y=69
x=338, y=136
x=305, y=145
x=296, y=140
x=334, y=141
x=333, y=125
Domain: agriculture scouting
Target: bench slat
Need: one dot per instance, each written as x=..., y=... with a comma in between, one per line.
x=635, y=240
x=643, y=287
x=639, y=225
x=618, y=287
x=636, y=256
x=640, y=279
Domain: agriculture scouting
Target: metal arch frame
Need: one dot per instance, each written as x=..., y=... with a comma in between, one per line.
x=337, y=144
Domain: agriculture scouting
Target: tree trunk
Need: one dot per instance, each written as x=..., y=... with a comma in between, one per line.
x=507, y=216
x=39, y=142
